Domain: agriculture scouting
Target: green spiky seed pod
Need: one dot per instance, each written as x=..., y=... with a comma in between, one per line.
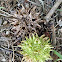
x=36, y=49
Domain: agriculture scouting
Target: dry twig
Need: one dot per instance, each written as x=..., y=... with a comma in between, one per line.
x=51, y=12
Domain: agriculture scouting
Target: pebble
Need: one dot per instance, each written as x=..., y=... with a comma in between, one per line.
x=7, y=32
x=5, y=22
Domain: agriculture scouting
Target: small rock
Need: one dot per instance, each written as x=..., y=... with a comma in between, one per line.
x=8, y=32
x=5, y=22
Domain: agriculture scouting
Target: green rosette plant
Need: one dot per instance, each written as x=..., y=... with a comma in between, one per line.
x=36, y=49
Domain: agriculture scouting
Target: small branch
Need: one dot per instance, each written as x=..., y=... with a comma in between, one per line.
x=8, y=50
x=58, y=38
x=13, y=52
x=4, y=39
x=34, y=3
x=5, y=14
x=57, y=45
x=51, y=12
x=53, y=35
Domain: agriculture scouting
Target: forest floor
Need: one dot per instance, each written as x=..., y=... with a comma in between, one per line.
x=21, y=18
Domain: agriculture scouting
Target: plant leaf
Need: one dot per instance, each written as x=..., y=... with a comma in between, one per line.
x=57, y=60
x=58, y=54
x=59, y=10
x=2, y=7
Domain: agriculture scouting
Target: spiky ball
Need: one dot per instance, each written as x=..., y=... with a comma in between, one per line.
x=36, y=49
